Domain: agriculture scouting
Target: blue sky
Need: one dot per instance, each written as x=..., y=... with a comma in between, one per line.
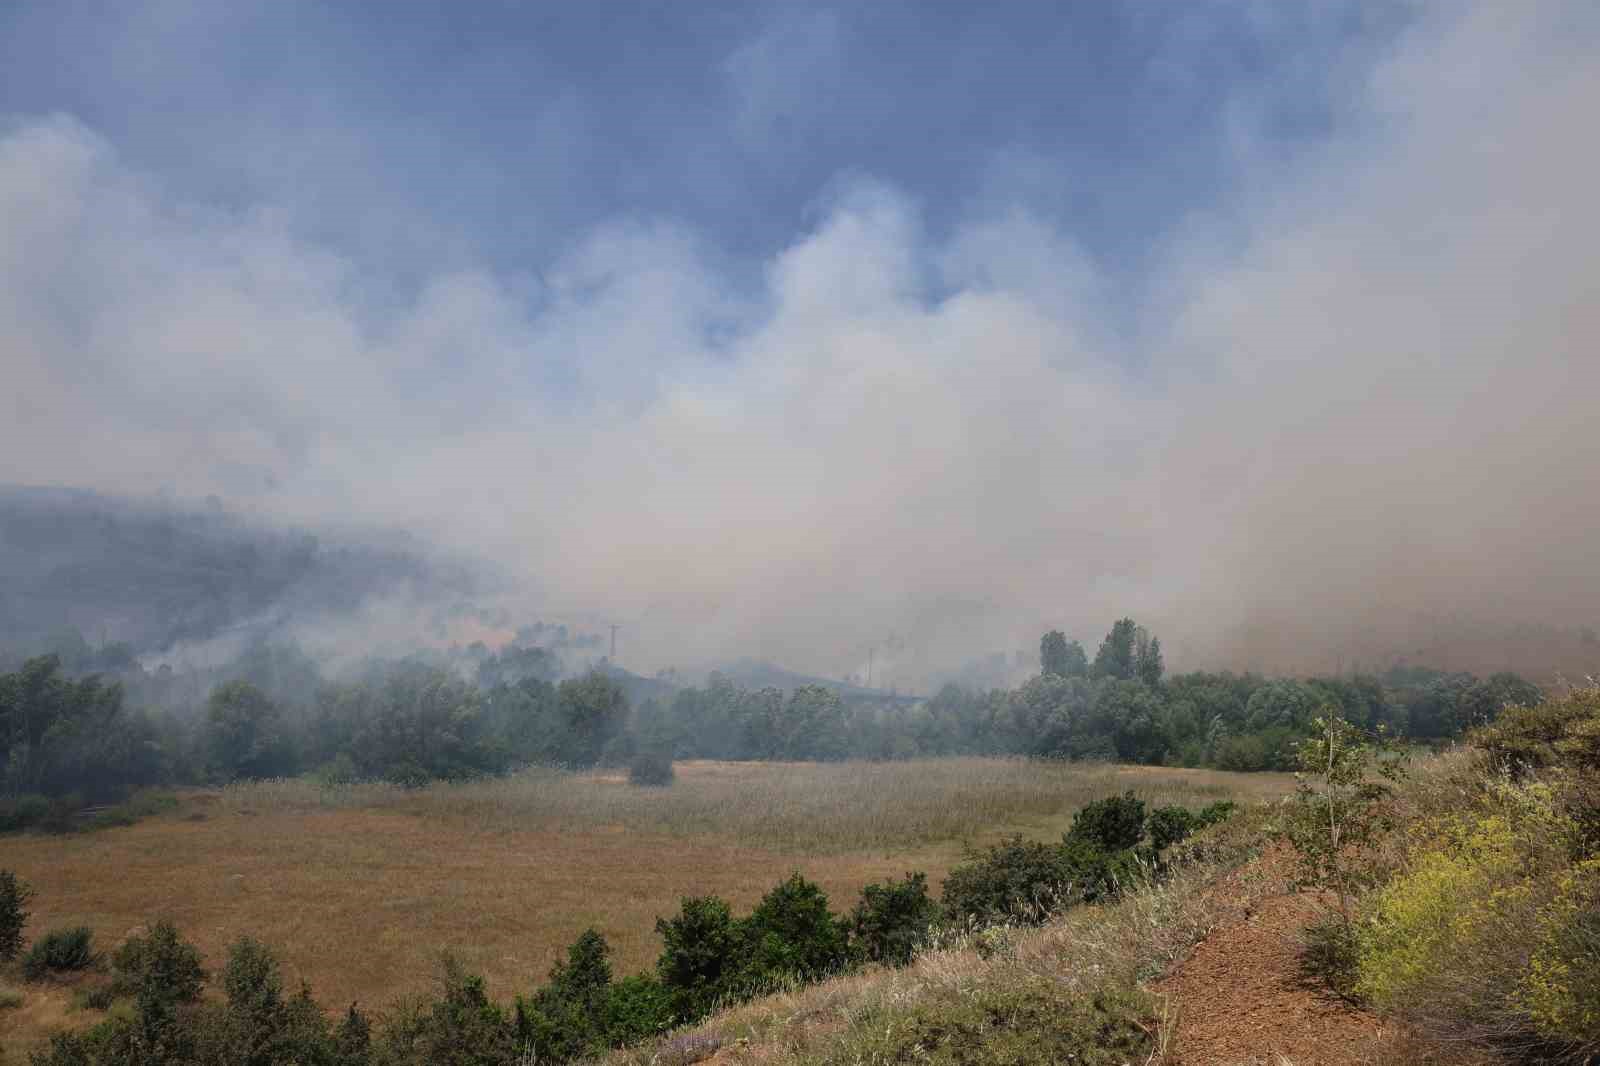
x=781, y=329
x=502, y=132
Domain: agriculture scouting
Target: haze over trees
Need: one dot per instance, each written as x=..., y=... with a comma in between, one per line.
x=66, y=741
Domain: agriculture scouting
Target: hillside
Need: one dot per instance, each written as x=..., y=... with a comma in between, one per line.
x=150, y=574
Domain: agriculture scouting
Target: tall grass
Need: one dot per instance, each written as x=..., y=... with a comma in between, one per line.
x=816, y=807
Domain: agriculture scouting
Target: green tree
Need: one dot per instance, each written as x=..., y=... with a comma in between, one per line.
x=14, y=897
x=1053, y=653
x=699, y=954
x=1341, y=807
x=1116, y=656
x=593, y=710
x=245, y=733
x=1147, y=665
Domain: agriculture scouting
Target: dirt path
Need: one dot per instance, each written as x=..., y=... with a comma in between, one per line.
x=1240, y=1000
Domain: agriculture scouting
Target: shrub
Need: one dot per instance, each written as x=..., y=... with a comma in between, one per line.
x=159, y=965
x=892, y=919
x=1017, y=879
x=637, y=1008
x=60, y=951
x=1168, y=825
x=1558, y=732
x=1019, y=1020
x=651, y=769
x=1115, y=823
x=1561, y=990
x=461, y=1027
x=14, y=897
x=23, y=812
x=791, y=936
x=100, y=997
x=1341, y=807
x=1331, y=953
x=565, y=1019
x=699, y=955
x=352, y=1040
x=1098, y=874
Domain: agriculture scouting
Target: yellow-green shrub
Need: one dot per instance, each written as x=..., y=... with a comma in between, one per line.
x=1448, y=943
x=1423, y=921
x=1561, y=990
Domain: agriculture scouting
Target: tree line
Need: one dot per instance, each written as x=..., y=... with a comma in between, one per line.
x=67, y=740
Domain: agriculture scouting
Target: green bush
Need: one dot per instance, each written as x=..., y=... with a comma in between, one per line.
x=461, y=1027
x=158, y=965
x=791, y=936
x=60, y=951
x=1168, y=825
x=565, y=1019
x=893, y=919
x=1098, y=874
x=1017, y=879
x=1115, y=823
x=1558, y=732
x=637, y=1008
x=651, y=769
x=1331, y=953
x=23, y=812
x=699, y=955
x=14, y=897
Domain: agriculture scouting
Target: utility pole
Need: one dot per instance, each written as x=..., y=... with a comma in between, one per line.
x=870, y=653
x=614, y=628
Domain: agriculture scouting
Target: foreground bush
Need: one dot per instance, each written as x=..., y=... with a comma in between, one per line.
x=1488, y=931
x=893, y=919
x=1015, y=880
x=1564, y=731
x=158, y=965
x=1115, y=823
x=1025, y=881
x=1561, y=990
x=60, y=951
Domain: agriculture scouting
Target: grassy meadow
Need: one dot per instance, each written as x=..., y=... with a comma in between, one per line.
x=360, y=887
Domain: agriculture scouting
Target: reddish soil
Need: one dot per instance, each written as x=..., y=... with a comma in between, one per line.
x=1240, y=998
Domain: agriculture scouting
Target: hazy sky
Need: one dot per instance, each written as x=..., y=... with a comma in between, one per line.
x=776, y=329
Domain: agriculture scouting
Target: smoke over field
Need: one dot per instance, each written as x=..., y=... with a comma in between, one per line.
x=1334, y=407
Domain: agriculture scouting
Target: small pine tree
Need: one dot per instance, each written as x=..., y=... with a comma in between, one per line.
x=14, y=897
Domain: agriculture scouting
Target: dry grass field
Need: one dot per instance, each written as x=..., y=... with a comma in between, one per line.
x=360, y=888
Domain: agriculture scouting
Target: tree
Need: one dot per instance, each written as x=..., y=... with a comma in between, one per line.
x=1053, y=653
x=14, y=897
x=244, y=732
x=1147, y=665
x=1062, y=657
x=593, y=709
x=1341, y=807
x=1116, y=657
x=699, y=952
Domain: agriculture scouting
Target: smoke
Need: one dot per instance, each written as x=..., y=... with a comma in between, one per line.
x=1353, y=418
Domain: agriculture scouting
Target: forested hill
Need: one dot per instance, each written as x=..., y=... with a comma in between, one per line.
x=149, y=574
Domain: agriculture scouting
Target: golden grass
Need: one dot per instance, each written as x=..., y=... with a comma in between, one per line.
x=358, y=889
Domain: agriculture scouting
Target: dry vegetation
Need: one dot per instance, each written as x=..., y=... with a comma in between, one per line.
x=360, y=887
